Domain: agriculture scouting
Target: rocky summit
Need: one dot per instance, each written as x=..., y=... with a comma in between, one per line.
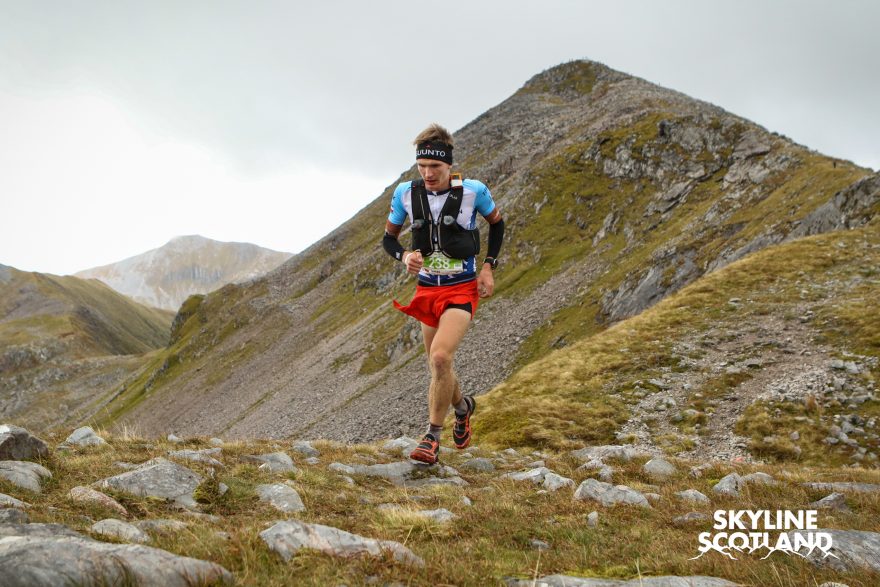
x=121, y=512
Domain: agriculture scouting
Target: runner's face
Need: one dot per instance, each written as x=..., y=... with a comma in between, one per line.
x=435, y=174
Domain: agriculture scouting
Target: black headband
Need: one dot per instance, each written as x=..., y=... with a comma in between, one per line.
x=434, y=150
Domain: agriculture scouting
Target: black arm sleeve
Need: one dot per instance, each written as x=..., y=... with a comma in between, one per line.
x=496, y=236
x=392, y=246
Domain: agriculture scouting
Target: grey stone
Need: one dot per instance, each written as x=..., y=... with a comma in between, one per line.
x=157, y=478
x=89, y=495
x=659, y=469
x=608, y=494
x=174, y=438
x=554, y=482
x=440, y=515
x=17, y=444
x=466, y=501
x=404, y=445
x=536, y=464
x=692, y=495
x=697, y=472
x=409, y=474
x=834, y=501
x=287, y=537
x=84, y=436
x=479, y=464
x=305, y=448
x=282, y=497
x=536, y=476
x=759, y=478
x=729, y=485
x=653, y=497
x=855, y=550
x=46, y=561
x=593, y=519
x=13, y=516
x=216, y=441
x=665, y=581
x=341, y=469
x=540, y=544
x=313, y=461
x=611, y=451
x=24, y=474
x=205, y=456
x=119, y=530
x=9, y=501
x=844, y=487
x=53, y=530
x=276, y=462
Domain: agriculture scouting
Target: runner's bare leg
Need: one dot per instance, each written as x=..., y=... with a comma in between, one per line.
x=440, y=346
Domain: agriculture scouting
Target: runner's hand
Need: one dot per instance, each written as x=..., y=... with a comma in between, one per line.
x=414, y=262
x=486, y=283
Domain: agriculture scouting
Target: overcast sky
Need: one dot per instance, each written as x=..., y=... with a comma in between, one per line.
x=124, y=124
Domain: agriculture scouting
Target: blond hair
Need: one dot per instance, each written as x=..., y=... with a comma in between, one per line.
x=435, y=132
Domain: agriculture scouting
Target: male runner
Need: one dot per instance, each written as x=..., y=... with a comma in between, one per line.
x=442, y=210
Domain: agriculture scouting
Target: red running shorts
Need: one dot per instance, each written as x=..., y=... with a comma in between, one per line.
x=429, y=303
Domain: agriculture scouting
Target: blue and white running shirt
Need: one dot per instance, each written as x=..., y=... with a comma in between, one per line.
x=476, y=198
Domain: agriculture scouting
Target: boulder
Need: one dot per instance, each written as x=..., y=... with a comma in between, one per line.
x=844, y=487
x=52, y=530
x=729, y=485
x=13, y=516
x=856, y=551
x=406, y=474
x=119, y=530
x=554, y=482
x=89, y=495
x=17, y=444
x=536, y=475
x=161, y=526
x=276, y=462
x=759, y=478
x=205, y=456
x=659, y=469
x=692, y=495
x=479, y=464
x=690, y=518
x=611, y=451
x=608, y=494
x=47, y=561
x=286, y=538
x=24, y=474
x=157, y=478
x=84, y=436
x=282, y=497
x=833, y=501
x=305, y=448
x=7, y=501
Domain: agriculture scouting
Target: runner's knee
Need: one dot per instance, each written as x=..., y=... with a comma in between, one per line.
x=441, y=360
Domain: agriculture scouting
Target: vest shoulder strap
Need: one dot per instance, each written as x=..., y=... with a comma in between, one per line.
x=421, y=211
x=452, y=206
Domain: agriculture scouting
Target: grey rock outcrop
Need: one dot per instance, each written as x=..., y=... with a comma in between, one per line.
x=286, y=538
x=844, y=487
x=282, y=497
x=855, y=550
x=276, y=462
x=11, y=502
x=84, y=436
x=608, y=452
x=659, y=469
x=24, y=474
x=554, y=482
x=47, y=561
x=13, y=516
x=479, y=464
x=17, y=444
x=158, y=478
x=40, y=530
x=305, y=448
x=729, y=485
x=205, y=456
x=120, y=530
x=161, y=526
x=535, y=475
x=89, y=495
x=833, y=501
x=608, y=494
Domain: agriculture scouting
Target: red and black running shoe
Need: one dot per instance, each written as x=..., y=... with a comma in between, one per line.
x=461, y=432
x=426, y=451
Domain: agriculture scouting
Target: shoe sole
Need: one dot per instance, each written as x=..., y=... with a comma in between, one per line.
x=426, y=458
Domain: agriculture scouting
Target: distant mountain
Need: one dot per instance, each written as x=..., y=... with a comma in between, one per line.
x=186, y=265
x=64, y=339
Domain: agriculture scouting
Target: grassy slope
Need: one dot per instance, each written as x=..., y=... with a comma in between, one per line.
x=96, y=320
x=490, y=540
x=579, y=394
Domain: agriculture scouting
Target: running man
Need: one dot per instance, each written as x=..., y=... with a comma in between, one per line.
x=442, y=209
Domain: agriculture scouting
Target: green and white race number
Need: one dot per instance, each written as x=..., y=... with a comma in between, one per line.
x=440, y=264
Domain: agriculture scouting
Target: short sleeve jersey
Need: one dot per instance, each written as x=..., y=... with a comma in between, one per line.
x=475, y=198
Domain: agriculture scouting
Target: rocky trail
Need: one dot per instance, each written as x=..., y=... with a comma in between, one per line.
x=186, y=493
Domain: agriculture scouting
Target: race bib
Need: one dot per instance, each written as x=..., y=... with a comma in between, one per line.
x=440, y=264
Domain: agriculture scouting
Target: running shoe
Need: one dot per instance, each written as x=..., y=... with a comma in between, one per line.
x=426, y=451
x=461, y=432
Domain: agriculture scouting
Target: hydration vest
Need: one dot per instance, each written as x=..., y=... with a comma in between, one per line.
x=445, y=235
